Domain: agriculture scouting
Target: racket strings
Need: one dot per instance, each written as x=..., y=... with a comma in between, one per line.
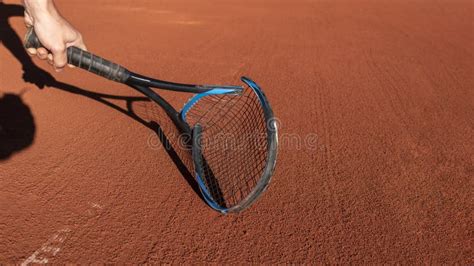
x=233, y=144
x=151, y=112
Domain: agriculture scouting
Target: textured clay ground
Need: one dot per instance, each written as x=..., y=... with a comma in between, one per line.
x=375, y=102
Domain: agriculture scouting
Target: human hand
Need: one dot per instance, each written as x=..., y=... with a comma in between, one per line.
x=53, y=31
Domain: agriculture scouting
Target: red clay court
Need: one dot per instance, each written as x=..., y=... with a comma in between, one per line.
x=375, y=104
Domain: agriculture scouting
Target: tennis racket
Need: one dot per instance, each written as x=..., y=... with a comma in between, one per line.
x=231, y=130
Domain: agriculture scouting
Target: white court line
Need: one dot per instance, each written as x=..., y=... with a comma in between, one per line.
x=49, y=249
x=95, y=205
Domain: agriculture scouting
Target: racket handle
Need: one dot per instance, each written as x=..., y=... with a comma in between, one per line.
x=85, y=60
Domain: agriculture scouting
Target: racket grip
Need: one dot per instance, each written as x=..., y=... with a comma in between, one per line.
x=85, y=60
x=97, y=65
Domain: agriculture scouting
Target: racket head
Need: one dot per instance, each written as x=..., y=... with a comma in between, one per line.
x=234, y=145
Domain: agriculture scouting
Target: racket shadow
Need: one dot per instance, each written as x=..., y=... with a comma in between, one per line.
x=167, y=138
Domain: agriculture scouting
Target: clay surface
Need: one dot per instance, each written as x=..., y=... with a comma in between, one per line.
x=375, y=104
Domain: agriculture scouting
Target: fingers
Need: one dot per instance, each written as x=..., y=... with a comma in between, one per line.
x=42, y=53
x=59, y=57
x=50, y=59
x=31, y=51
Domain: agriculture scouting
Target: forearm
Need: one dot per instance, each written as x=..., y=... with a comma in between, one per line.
x=40, y=8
